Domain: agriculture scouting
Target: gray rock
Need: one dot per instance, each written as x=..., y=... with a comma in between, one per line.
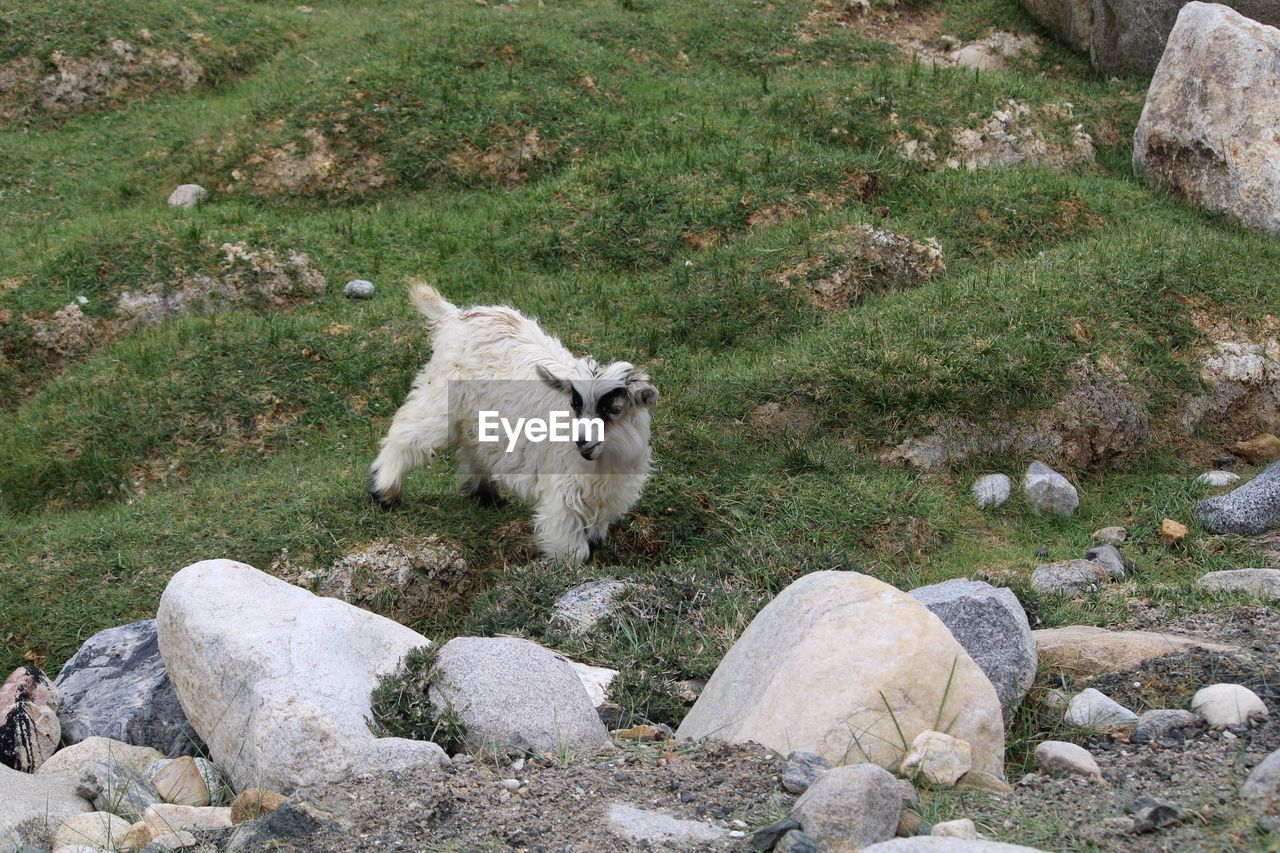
x=188, y=196
x=1250, y=510
x=358, y=289
x=656, y=828
x=1218, y=479
x=993, y=628
x=116, y=686
x=850, y=807
x=1110, y=536
x=1264, y=780
x=1048, y=492
x=283, y=828
x=1166, y=722
x=992, y=490
x=801, y=769
x=1264, y=583
x=29, y=729
x=1095, y=709
x=796, y=841
x=113, y=787
x=1150, y=814
x=32, y=807
x=1207, y=130
x=939, y=844
x=766, y=838
x=1110, y=558
x=582, y=607
x=1059, y=758
x=1069, y=576
x=514, y=695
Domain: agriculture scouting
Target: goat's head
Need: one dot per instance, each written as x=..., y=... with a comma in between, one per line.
x=619, y=395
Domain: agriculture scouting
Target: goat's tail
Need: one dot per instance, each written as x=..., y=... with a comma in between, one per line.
x=429, y=301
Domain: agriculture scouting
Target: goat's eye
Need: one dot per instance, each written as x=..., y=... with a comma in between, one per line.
x=575, y=400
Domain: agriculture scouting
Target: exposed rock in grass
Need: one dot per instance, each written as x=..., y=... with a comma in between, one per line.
x=1048, y=492
x=512, y=154
x=1207, y=129
x=1218, y=479
x=311, y=166
x=991, y=490
x=1009, y=137
x=1264, y=583
x=857, y=262
x=582, y=607
x=1242, y=385
x=1068, y=576
x=188, y=196
x=1110, y=558
x=1110, y=536
x=358, y=288
x=1058, y=758
x=68, y=333
x=1173, y=532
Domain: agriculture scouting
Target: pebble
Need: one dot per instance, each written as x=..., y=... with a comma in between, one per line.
x=188, y=196
x=1048, y=492
x=1227, y=704
x=1059, y=758
x=1165, y=722
x=961, y=828
x=991, y=490
x=358, y=289
x=1218, y=479
x=511, y=784
x=1093, y=708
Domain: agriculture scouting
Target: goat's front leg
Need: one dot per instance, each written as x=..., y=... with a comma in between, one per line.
x=561, y=534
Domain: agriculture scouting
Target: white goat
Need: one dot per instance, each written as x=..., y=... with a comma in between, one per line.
x=494, y=359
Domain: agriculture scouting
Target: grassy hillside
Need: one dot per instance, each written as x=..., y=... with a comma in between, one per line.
x=644, y=176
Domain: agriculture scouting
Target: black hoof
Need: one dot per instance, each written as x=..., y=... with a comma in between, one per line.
x=383, y=503
x=488, y=497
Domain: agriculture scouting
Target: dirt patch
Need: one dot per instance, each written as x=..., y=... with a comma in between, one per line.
x=791, y=418
x=512, y=153
x=1010, y=136
x=310, y=166
x=465, y=806
x=1242, y=389
x=67, y=333
x=860, y=261
x=1100, y=421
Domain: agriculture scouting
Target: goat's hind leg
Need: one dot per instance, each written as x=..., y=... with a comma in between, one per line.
x=419, y=429
x=476, y=482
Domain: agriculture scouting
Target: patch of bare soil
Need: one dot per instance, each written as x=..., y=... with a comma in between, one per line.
x=1008, y=137
x=312, y=166
x=512, y=153
x=859, y=261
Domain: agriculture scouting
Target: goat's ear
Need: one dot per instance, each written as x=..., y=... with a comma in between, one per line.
x=549, y=379
x=639, y=390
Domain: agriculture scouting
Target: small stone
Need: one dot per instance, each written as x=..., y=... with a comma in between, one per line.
x=113, y=787
x=1110, y=558
x=1227, y=704
x=1262, y=448
x=1095, y=709
x=511, y=784
x=1150, y=814
x=656, y=828
x=1249, y=510
x=1048, y=492
x=1069, y=576
x=282, y=828
x=1218, y=479
x=850, y=807
x=1166, y=722
x=254, y=802
x=796, y=841
x=984, y=782
x=29, y=727
x=939, y=758
x=181, y=780
x=1172, y=532
x=801, y=769
x=961, y=828
x=100, y=830
x=358, y=289
x=1110, y=536
x=1268, y=824
x=991, y=490
x=188, y=196
x=1059, y=758
x=163, y=816
x=138, y=837
x=583, y=607
x=1263, y=583
x=766, y=838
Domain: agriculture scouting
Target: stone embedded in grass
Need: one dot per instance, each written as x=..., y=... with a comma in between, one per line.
x=991, y=490
x=1263, y=583
x=100, y=830
x=1173, y=532
x=1227, y=704
x=993, y=628
x=29, y=727
x=1048, y=492
x=113, y=787
x=1207, y=129
x=1094, y=709
x=801, y=769
x=1218, y=479
x=188, y=196
x=850, y=807
x=585, y=605
x=938, y=758
x=1069, y=576
x=1110, y=536
x=1059, y=758
x=358, y=288
x=116, y=686
x=1110, y=558
x=1250, y=510
x=860, y=261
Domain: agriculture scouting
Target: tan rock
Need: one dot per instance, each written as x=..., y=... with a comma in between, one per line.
x=253, y=802
x=72, y=759
x=179, y=781
x=939, y=758
x=838, y=664
x=1084, y=651
x=1172, y=531
x=173, y=816
x=1260, y=449
x=101, y=830
x=138, y=836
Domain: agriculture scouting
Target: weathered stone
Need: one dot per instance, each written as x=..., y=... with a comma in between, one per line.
x=72, y=759
x=796, y=841
x=32, y=807
x=252, y=803
x=1085, y=651
x=113, y=787
x=1172, y=532
x=840, y=652
x=1218, y=479
x=1264, y=780
x=1207, y=130
x=172, y=816
x=514, y=695
x=934, y=844
x=1110, y=536
x=655, y=828
x=1059, y=758
x=187, y=781
x=595, y=680
x=29, y=728
x=582, y=607
x=939, y=758
x=1150, y=813
x=1048, y=492
x=100, y=830
x=1227, y=704
x=992, y=626
x=188, y=196
x=283, y=828
x=1069, y=576
x=1166, y=722
x=850, y=807
x=801, y=769
x=961, y=828
x=277, y=681
x=1095, y=709
x=116, y=686
x=991, y=490
x=1263, y=583
x=1262, y=449
x=1250, y=510
x=1110, y=558
x=358, y=288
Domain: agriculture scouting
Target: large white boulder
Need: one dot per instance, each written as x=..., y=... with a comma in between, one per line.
x=277, y=681
x=848, y=667
x=1208, y=128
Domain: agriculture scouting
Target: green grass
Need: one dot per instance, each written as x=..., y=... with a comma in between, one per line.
x=684, y=160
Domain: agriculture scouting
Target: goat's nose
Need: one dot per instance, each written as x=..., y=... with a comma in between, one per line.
x=588, y=449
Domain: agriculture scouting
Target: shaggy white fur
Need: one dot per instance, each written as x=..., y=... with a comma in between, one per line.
x=492, y=358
